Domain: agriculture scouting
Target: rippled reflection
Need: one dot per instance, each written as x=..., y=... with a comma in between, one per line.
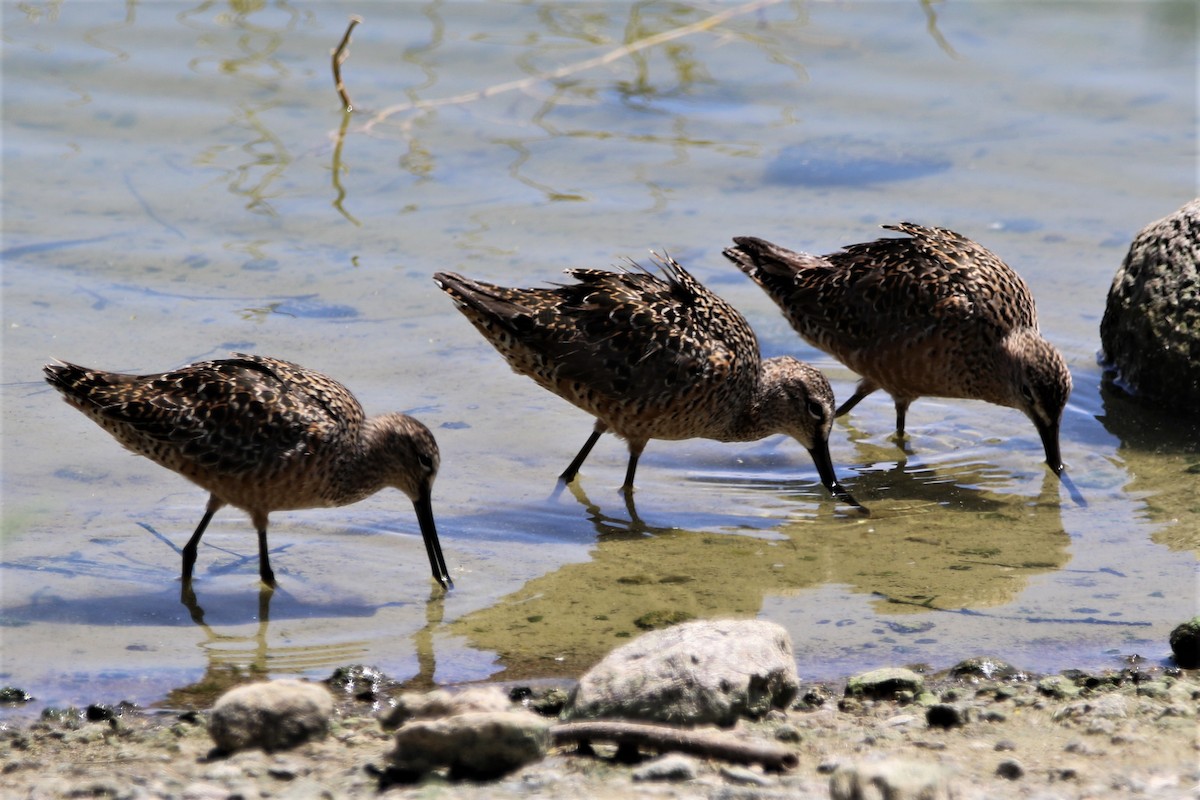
x=907, y=556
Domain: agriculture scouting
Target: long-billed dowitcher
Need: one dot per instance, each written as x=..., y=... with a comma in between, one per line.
x=931, y=314
x=262, y=435
x=651, y=358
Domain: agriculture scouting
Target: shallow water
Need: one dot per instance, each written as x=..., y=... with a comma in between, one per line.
x=179, y=182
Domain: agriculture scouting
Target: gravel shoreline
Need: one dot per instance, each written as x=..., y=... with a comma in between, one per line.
x=1122, y=734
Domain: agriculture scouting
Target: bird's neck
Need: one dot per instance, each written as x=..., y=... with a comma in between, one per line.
x=361, y=471
x=759, y=413
x=1014, y=353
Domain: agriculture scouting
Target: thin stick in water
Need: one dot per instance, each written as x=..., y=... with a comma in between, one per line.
x=339, y=55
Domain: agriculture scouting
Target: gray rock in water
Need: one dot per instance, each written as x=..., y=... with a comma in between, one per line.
x=883, y=684
x=440, y=703
x=1060, y=687
x=696, y=673
x=274, y=715
x=890, y=780
x=1185, y=643
x=479, y=745
x=1151, y=326
x=985, y=667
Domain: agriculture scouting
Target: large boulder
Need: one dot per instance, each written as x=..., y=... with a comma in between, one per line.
x=1151, y=326
x=696, y=673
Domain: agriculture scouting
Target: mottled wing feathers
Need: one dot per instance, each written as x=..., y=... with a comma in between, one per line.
x=938, y=266
x=228, y=415
x=611, y=335
x=777, y=269
x=890, y=283
x=803, y=285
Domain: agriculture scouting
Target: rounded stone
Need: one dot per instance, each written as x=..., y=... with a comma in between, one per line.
x=946, y=715
x=273, y=715
x=985, y=668
x=1185, y=644
x=702, y=672
x=478, y=744
x=1010, y=769
x=884, y=684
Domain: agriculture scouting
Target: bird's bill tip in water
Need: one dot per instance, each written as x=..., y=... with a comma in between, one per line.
x=437, y=562
x=1049, y=434
x=820, y=456
x=846, y=497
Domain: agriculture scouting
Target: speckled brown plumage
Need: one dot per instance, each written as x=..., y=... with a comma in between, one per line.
x=651, y=358
x=262, y=435
x=929, y=314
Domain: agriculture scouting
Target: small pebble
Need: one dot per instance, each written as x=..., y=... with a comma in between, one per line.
x=787, y=733
x=744, y=776
x=1010, y=769
x=672, y=767
x=945, y=715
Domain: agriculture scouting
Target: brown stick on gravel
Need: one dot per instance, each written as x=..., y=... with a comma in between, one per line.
x=663, y=738
x=339, y=55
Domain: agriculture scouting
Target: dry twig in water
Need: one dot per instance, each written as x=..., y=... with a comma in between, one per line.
x=663, y=738
x=570, y=69
x=339, y=55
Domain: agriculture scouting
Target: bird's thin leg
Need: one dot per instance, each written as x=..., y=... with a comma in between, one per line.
x=189, y=549
x=901, y=411
x=635, y=452
x=864, y=388
x=573, y=468
x=264, y=560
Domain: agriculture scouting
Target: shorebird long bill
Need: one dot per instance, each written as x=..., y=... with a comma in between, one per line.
x=824, y=463
x=927, y=314
x=437, y=563
x=1049, y=433
x=262, y=435
x=650, y=356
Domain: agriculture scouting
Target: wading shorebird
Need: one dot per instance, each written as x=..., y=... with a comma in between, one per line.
x=932, y=314
x=651, y=358
x=262, y=435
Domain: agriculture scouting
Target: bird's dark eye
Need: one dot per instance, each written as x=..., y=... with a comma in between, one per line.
x=1027, y=393
x=426, y=461
x=816, y=409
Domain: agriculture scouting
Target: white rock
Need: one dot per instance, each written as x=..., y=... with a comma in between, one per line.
x=674, y=767
x=696, y=673
x=274, y=715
